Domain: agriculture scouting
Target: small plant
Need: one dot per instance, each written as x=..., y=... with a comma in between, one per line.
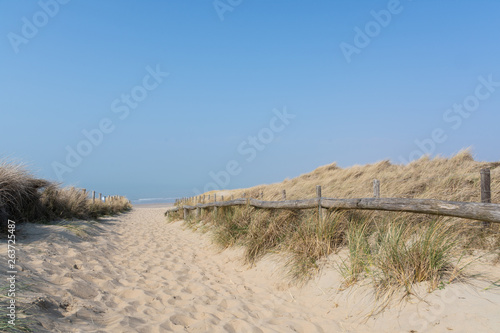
x=312, y=240
x=359, y=260
x=407, y=254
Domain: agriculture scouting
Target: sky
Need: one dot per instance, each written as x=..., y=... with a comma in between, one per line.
x=167, y=99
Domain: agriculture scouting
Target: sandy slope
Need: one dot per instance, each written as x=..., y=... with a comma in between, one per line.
x=137, y=273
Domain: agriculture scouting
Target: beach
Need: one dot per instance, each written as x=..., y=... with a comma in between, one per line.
x=137, y=273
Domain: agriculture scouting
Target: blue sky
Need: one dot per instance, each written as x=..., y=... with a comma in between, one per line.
x=182, y=96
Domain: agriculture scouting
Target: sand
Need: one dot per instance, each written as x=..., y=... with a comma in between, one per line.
x=138, y=273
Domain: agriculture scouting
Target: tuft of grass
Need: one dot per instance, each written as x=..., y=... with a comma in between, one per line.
x=396, y=254
x=267, y=231
x=312, y=240
x=410, y=254
x=19, y=192
x=357, y=265
x=231, y=226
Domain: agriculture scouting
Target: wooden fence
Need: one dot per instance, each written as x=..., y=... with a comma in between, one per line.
x=98, y=196
x=484, y=211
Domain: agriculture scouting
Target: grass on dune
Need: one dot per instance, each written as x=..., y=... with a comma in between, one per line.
x=392, y=253
x=392, y=250
x=455, y=179
x=398, y=254
x=26, y=198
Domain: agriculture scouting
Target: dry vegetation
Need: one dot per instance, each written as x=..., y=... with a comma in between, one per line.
x=455, y=179
x=25, y=198
x=395, y=251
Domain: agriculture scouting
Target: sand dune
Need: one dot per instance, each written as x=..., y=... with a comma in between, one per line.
x=137, y=273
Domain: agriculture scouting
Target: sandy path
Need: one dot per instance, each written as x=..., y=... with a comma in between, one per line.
x=137, y=273
x=141, y=274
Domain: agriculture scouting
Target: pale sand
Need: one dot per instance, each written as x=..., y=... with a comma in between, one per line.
x=138, y=273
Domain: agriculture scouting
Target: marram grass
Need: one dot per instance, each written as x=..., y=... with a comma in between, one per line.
x=25, y=198
x=392, y=250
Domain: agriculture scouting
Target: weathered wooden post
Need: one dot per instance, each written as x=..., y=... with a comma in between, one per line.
x=93, y=196
x=221, y=198
x=376, y=188
x=185, y=214
x=100, y=197
x=215, y=197
x=318, y=194
x=486, y=189
x=283, y=195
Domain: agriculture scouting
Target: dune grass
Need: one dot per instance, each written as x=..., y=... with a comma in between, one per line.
x=398, y=254
x=456, y=179
x=25, y=198
x=395, y=251
x=23, y=321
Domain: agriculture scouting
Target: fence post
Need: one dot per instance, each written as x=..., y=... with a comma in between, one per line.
x=93, y=196
x=318, y=194
x=100, y=197
x=486, y=189
x=215, y=207
x=222, y=198
x=283, y=195
x=185, y=214
x=376, y=188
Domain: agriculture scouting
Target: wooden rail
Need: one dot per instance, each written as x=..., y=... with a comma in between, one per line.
x=484, y=211
x=100, y=197
x=469, y=210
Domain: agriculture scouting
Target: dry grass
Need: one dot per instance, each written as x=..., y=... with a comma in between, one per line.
x=456, y=178
x=26, y=198
x=19, y=192
x=393, y=250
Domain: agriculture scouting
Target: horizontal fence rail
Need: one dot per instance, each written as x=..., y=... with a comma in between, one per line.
x=484, y=211
x=469, y=210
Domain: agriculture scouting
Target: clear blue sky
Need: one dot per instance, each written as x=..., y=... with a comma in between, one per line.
x=364, y=81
